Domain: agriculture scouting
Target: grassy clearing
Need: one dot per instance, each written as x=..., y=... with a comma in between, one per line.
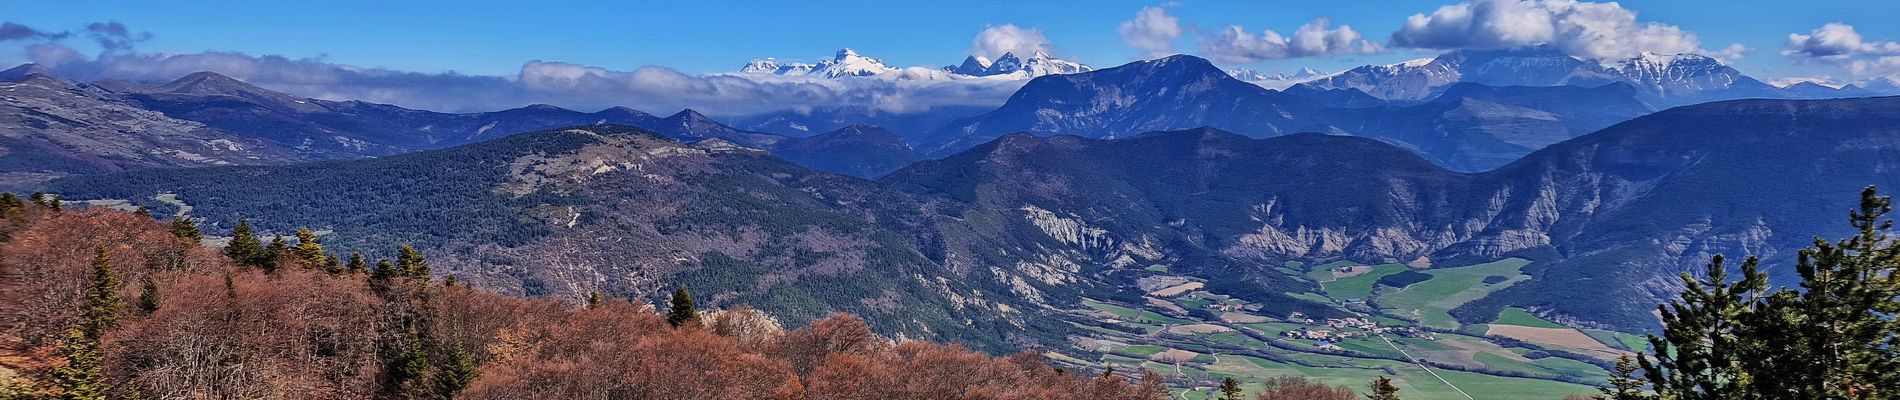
x=1431, y=301
x=1519, y=317
x=1324, y=272
x=1620, y=340
x=1359, y=286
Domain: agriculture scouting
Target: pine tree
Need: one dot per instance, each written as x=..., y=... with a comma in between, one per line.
x=309, y=252
x=457, y=371
x=356, y=264
x=682, y=312
x=1625, y=383
x=101, y=310
x=245, y=248
x=1699, y=355
x=594, y=300
x=10, y=204
x=1382, y=389
x=184, y=228
x=277, y=248
x=1230, y=389
x=411, y=263
x=83, y=376
x=384, y=270
x=332, y=265
x=1835, y=338
x=142, y=211
x=149, y=297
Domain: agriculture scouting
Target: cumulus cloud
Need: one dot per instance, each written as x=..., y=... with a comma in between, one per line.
x=15, y=31
x=1234, y=44
x=652, y=88
x=1582, y=29
x=1836, y=41
x=993, y=41
x=1152, y=31
x=1839, y=44
x=1734, y=51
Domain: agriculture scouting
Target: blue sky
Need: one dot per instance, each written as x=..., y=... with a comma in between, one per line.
x=664, y=56
x=495, y=38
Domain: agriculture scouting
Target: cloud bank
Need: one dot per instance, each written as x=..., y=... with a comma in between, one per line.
x=1840, y=44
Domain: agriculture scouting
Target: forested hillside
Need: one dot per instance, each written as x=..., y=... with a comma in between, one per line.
x=105, y=304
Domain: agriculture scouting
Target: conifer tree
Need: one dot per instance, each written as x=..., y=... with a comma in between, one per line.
x=102, y=305
x=332, y=265
x=277, y=248
x=1625, y=382
x=142, y=211
x=10, y=204
x=384, y=270
x=682, y=312
x=457, y=371
x=149, y=297
x=356, y=264
x=309, y=252
x=1230, y=389
x=184, y=228
x=84, y=373
x=1382, y=389
x=245, y=248
x=594, y=300
x=410, y=263
x=1699, y=355
x=37, y=198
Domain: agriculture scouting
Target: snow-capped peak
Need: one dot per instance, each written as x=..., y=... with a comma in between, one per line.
x=849, y=63
x=1038, y=64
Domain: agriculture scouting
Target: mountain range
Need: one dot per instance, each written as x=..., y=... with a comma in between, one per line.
x=1015, y=229
x=848, y=63
x=53, y=127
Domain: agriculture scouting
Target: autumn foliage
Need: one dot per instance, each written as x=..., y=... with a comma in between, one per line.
x=214, y=329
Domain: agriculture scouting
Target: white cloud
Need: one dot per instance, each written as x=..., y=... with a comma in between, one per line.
x=1734, y=51
x=1836, y=41
x=993, y=41
x=1234, y=44
x=1152, y=31
x=1582, y=29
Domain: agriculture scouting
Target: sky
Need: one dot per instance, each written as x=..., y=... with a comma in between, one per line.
x=1846, y=40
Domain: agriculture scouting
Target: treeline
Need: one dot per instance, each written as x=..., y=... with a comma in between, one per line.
x=99, y=304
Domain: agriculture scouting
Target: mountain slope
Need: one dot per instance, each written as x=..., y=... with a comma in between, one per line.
x=863, y=151
x=623, y=211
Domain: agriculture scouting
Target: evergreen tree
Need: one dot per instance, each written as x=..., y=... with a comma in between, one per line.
x=309, y=252
x=10, y=204
x=245, y=248
x=184, y=228
x=1699, y=355
x=1230, y=389
x=277, y=248
x=1625, y=383
x=411, y=263
x=384, y=270
x=149, y=297
x=1382, y=389
x=83, y=376
x=594, y=300
x=142, y=211
x=37, y=198
x=356, y=264
x=332, y=265
x=457, y=370
x=101, y=310
x=682, y=311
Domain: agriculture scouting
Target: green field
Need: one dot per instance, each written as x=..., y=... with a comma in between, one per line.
x=1619, y=340
x=1519, y=317
x=1449, y=288
x=1359, y=286
x=1324, y=272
